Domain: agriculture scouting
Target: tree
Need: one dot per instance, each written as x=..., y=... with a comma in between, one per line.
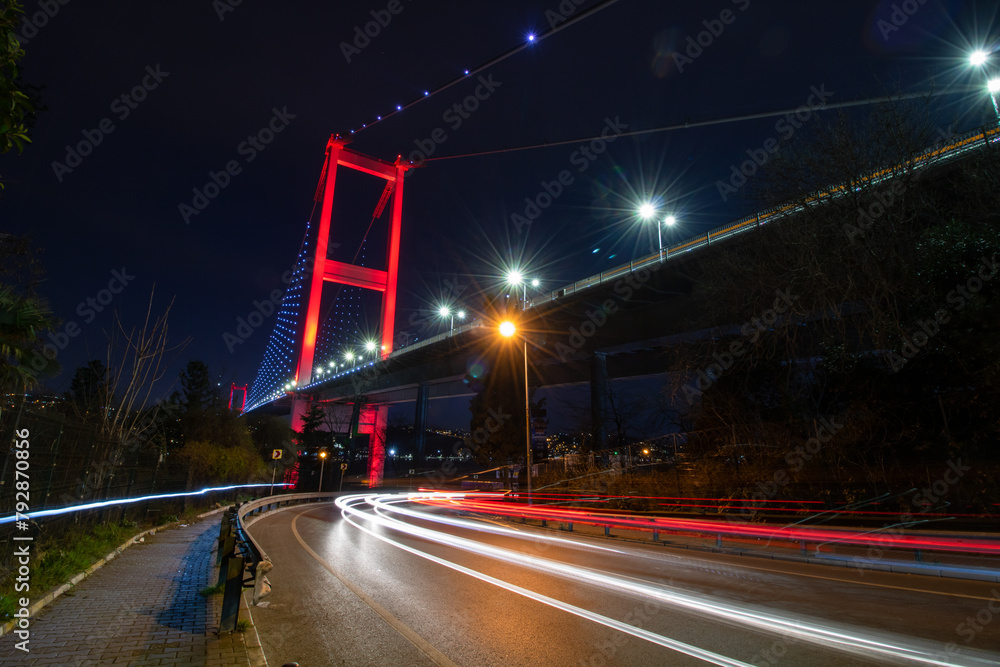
x=23, y=362
x=15, y=106
x=198, y=392
x=88, y=390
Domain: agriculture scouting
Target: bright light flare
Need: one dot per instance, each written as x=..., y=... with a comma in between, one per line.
x=670, y=220
x=443, y=311
x=370, y=346
x=515, y=277
x=993, y=85
x=507, y=329
x=978, y=58
x=647, y=211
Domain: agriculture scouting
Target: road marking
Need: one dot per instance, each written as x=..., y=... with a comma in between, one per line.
x=436, y=656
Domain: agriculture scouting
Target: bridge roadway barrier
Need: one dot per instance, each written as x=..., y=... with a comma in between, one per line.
x=975, y=556
x=234, y=537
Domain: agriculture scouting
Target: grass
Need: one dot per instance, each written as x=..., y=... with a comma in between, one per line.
x=243, y=625
x=54, y=562
x=212, y=590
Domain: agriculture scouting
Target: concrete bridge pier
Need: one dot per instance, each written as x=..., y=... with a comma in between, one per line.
x=420, y=421
x=600, y=406
x=374, y=419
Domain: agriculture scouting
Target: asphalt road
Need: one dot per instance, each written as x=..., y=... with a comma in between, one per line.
x=366, y=592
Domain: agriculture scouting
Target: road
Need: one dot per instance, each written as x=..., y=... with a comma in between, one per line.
x=377, y=587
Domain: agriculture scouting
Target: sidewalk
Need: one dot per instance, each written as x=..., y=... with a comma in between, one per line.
x=142, y=608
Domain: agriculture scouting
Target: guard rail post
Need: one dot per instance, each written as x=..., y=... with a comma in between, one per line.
x=232, y=566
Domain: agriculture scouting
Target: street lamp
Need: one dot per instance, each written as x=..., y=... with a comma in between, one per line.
x=978, y=59
x=508, y=329
x=445, y=311
x=350, y=357
x=322, y=464
x=516, y=279
x=647, y=211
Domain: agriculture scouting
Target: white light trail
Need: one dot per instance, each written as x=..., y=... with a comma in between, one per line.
x=872, y=645
x=122, y=501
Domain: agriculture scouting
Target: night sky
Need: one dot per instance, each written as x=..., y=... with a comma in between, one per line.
x=212, y=75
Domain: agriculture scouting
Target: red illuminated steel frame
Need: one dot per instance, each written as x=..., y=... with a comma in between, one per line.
x=328, y=270
x=243, y=399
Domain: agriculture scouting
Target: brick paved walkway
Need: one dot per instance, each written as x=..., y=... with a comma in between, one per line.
x=142, y=608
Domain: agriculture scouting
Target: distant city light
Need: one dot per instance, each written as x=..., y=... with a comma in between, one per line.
x=531, y=37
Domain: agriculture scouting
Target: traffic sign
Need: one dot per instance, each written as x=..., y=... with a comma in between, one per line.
x=276, y=454
x=343, y=466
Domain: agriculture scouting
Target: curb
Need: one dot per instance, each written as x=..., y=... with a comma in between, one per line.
x=54, y=593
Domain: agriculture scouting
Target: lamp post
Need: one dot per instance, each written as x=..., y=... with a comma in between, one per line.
x=517, y=280
x=322, y=464
x=979, y=59
x=647, y=211
x=508, y=330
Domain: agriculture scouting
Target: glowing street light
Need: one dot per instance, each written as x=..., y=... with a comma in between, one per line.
x=647, y=211
x=445, y=311
x=516, y=279
x=322, y=464
x=508, y=329
x=978, y=59
x=350, y=357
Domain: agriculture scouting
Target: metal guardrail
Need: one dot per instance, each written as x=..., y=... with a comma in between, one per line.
x=239, y=551
x=958, y=555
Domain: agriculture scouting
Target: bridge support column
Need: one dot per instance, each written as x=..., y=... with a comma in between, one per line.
x=374, y=423
x=420, y=421
x=599, y=399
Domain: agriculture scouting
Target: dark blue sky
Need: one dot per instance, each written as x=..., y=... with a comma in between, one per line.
x=209, y=79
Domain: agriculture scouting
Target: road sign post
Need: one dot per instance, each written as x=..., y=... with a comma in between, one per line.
x=343, y=469
x=275, y=455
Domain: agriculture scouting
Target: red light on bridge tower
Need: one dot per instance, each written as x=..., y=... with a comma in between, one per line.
x=327, y=270
x=243, y=396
